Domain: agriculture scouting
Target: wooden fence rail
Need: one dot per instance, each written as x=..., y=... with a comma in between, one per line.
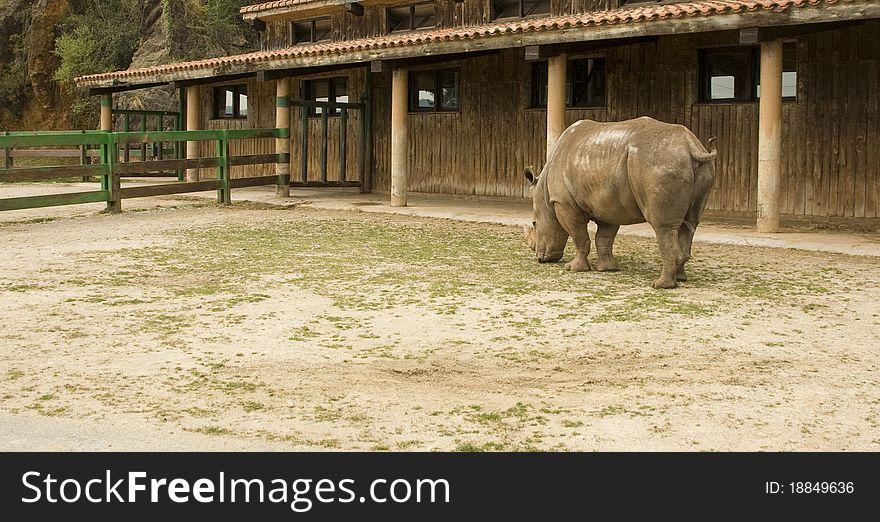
x=111, y=170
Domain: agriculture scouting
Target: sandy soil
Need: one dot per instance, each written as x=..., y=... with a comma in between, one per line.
x=257, y=328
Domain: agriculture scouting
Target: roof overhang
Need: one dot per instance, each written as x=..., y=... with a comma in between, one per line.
x=654, y=20
x=269, y=11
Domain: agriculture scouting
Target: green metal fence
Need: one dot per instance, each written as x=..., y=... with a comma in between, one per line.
x=110, y=169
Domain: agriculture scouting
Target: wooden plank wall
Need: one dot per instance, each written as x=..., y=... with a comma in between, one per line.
x=261, y=100
x=831, y=133
x=356, y=85
x=261, y=107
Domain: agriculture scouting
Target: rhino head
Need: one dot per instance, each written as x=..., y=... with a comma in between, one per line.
x=546, y=235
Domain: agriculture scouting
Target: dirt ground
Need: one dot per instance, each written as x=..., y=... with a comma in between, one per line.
x=252, y=327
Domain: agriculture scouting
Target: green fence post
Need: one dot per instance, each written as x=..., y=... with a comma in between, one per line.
x=111, y=180
x=84, y=159
x=126, y=127
x=224, y=194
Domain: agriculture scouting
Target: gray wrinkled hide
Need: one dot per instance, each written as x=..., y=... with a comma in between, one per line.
x=622, y=173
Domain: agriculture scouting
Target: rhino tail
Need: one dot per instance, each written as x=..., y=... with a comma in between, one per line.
x=702, y=157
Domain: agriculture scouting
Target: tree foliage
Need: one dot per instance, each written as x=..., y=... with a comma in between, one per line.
x=14, y=82
x=98, y=36
x=207, y=28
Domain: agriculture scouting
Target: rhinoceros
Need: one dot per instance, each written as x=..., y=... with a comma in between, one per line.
x=621, y=173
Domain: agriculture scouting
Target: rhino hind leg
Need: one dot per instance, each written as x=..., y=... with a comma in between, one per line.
x=575, y=223
x=685, y=239
x=670, y=252
x=605, y=236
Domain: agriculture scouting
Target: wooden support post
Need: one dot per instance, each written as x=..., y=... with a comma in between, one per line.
x=556, y=70
x=343, y=144
x=106, y=112
x=304, y=144
x=193, y=122
x=324, y=139
x=282, y=144
x=399, y=137
x=366, y=172
x=178, y=125
x=770, y=136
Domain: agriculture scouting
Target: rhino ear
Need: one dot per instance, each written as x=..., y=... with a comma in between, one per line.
x=529, y=174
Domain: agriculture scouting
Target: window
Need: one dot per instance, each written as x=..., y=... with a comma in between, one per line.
x=584, y=86
x=734, y=74
x=309, y=31
x=434, y=91
x=410, y=18
x=326, y=90
x=230, y=102
x=519, y=8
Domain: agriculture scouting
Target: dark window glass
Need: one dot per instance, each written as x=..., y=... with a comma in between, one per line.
x=584, y=85
x=410, y=17
x=308, y=31
x=519, y=8
x=433, y=91
x=734, y=74
x=230, y=102
x=327, y=90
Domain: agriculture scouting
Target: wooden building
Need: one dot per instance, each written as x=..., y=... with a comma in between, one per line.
x=457, y=96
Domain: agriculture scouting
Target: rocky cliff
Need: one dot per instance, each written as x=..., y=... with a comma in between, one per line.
x=34, y=95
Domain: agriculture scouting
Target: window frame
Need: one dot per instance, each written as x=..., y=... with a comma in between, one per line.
x=539, y=74
x=312, y=32
x=332, y=83
x=412, y=91
x=496, y=14
x=237, y=90
x=412, y=17
x=704, y=86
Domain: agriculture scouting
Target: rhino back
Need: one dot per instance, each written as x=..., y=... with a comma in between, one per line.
x=592, y=166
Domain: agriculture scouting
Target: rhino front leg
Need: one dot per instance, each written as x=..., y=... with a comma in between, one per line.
x=605, y=236
x=575, y=223
x=670, y=251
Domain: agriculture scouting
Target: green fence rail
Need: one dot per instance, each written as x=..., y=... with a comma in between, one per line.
x=110, y=169
x=140, y=120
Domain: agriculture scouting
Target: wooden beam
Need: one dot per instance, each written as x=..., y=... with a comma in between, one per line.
x=122, y=87
x=756, y=35
x=180, y=84
x=271, y=75
x=427, y=60
x=544, y=52
x=721, y=22
x=354, y=8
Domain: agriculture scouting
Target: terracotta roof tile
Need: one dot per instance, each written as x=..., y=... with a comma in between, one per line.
x=265, y=6
x=623, y=15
